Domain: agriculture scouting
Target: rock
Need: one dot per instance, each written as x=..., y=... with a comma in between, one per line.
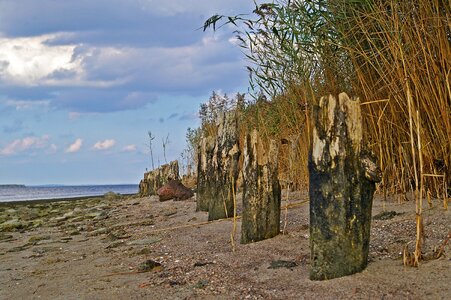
x=148, y=266
x=10, y=211
x=12, y=225
x=201, y=284
x=5, y=237
x=99, y=231
x=115, y=244
x=35, y=239
x=19, y=248
x=201, y=264
x=386, y=215
x=277, y=264
x=69, y=214
x=59, y=219
x=174, y=189
x=169, y=211
x=101, y=216
x=111, y=196
x=144, y=251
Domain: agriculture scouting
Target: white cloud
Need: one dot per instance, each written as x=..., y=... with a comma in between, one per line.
x=33, y=61
x=104, y=145
x=129, y=148
x=25, y=104
x=28, y=60
x=75, y=146
x=19, y=145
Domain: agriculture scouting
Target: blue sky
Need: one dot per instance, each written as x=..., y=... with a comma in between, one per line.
x=81, y=83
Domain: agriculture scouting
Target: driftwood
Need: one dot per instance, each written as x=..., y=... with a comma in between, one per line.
x=342, y=184
x=155, y=179
x=261, y=190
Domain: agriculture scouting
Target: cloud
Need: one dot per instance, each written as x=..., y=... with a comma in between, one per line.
x=135, y=16
x=79, y=61
x=25, y=104
x=20, y=145
x=28, y=60
x=129, y=148
x=104, y=145
x=75, y=146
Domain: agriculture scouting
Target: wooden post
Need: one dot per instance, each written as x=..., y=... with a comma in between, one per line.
x=205, y=173
x=225, y=167
x=261, y=190
x=342, y=184
x=155, y=179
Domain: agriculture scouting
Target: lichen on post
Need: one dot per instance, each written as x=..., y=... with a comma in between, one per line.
x=205, y=173
x=342, y=183
x=261, y=190
x=225, y=167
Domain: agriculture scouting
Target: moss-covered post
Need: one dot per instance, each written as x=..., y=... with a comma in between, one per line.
x=342, y=184
x=225, y=166
x=261, y=190
x=205, y=173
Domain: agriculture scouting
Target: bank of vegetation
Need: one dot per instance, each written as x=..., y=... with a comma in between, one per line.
x=394, y=55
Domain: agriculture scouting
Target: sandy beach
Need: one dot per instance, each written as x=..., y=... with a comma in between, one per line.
x=140, y=248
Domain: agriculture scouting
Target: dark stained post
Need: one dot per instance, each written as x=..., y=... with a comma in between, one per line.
x=342, y=184
x=143, y=188
x=225, y=166
x=261, y=190
x=205, y=173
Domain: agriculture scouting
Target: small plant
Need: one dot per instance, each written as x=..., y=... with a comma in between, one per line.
x=151, y=138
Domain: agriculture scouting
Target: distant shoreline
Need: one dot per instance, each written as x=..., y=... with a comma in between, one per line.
x=50, y=200
x=12, y=185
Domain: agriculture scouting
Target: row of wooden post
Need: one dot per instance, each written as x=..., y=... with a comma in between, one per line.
x=341, y=186
x=218, y=172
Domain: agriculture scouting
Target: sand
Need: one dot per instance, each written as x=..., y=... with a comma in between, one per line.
x=140, y=248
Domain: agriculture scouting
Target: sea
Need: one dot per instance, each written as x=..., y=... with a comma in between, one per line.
x=10, y=193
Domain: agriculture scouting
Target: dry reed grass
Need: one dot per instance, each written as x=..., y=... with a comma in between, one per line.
x=394, y=55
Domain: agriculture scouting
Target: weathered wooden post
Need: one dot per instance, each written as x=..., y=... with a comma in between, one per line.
x=143, y=187
x=342, y=184
x=156, y=178
x=261, y=190
x=225, y=163
x=205, y=173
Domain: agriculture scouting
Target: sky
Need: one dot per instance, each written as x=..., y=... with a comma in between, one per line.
x=82, y=82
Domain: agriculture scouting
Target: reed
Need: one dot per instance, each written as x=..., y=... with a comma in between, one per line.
x=394, y=55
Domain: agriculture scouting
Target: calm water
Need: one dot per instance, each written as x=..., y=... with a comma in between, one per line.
x=18, y=193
